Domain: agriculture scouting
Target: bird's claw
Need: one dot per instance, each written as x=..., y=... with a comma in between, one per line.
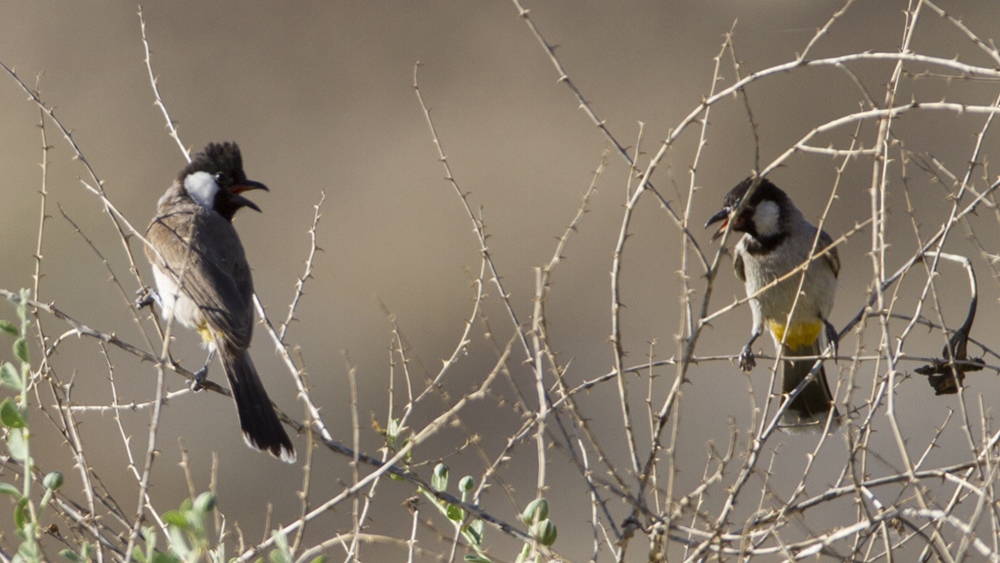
x=198, y=383
x=832, y=338
x=145, y=296
x=747, y=360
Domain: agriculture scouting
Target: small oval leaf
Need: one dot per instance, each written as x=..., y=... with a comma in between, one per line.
x=21, y=349
x=174, y=518
x=10, y=416
x=20, y=517
x=8, y=489
x=476, y=529
x=9, y=378
x=16, y=445
x=454, y=513
x=71, y=555
x=8, y=327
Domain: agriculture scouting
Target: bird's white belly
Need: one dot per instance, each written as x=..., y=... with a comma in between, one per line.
x=174, y=303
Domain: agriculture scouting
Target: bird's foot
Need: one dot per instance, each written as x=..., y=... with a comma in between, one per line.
x=747, y=360
x=198, y=383
x=146, y=296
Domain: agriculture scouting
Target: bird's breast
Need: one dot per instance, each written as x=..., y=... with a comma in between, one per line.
x=812, y=303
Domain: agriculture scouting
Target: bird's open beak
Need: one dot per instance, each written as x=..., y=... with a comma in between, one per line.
x=720, y=216
x=243, y=187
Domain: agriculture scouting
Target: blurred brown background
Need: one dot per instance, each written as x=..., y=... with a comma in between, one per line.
x=320, y=97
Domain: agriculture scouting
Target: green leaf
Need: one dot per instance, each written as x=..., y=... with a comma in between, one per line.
x=9, y=377
x=29, y=551
x=21, y=349
x=475, y=531
x=204, y=503
x=393, y=428
x=8, y=327
x=17, y=445
x=20, y=516
x=10, y=416
x=71, y=555
x=8, y=489
x=281, y=554
x=525, y=553
x=177, y=542
x=175, y=518
x=160, y=557
x=478, y=559
x=87, y=550
x=86, y=554
x=320, y=559
x=454, y=513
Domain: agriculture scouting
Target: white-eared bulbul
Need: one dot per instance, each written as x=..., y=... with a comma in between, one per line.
x=776, y=240
x=204, y=281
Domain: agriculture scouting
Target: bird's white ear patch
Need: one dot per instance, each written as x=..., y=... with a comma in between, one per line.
x=201, y=186
x=767, y=218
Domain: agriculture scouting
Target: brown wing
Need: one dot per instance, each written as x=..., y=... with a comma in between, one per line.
x=217, y=277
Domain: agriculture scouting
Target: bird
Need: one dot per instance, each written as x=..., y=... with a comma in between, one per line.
x=776, y=240
x=203, y=281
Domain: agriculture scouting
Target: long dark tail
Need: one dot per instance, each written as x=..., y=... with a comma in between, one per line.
x=809, y=411
x=261, y=428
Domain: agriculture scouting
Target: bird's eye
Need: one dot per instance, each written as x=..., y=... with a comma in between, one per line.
x=221, y=178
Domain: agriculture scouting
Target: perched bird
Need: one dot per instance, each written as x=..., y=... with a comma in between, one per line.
x=203, y=281
x=776, y=240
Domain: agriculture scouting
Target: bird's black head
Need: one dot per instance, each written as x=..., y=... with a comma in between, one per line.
x=215, y=179
x=762, y=216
